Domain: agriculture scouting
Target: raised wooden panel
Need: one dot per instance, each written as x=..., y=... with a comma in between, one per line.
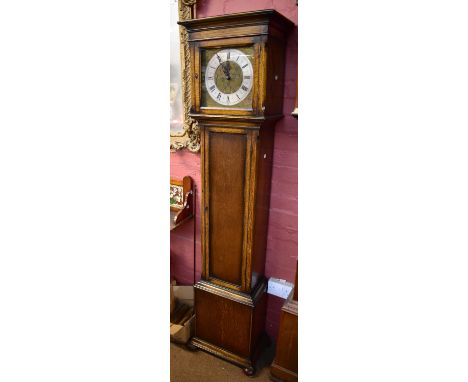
x=223, y=322
x=226, y=166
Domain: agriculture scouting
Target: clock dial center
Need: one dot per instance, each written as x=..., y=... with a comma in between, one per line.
x=228, y=77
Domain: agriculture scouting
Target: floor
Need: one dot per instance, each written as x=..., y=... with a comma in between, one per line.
x=198, y=366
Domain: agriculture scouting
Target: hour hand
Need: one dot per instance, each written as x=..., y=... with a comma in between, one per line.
x=226, y=67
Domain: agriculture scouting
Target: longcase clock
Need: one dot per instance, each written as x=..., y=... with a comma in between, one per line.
x=237, y=74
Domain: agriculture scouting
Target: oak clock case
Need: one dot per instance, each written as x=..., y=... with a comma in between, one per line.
x=237, y=64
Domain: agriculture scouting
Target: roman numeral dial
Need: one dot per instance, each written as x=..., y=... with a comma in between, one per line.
x=228, y=76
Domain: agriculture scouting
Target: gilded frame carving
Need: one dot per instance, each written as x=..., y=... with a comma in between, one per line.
x=190, y=136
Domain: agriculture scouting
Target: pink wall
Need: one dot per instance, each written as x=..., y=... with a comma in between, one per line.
x=282, y=230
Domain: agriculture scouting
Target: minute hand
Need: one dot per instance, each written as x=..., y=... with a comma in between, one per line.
x=226, y=70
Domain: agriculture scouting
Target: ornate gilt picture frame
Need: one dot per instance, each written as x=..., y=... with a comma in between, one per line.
x=187, y=133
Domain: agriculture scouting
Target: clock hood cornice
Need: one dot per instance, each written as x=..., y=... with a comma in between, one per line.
x=242, y=19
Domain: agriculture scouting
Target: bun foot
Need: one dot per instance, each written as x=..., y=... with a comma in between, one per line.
x=249, y=371
x=191, y=347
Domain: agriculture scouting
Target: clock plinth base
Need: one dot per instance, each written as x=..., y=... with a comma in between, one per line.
x=229, y=324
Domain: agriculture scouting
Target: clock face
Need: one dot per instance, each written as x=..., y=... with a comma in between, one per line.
x=228, y=78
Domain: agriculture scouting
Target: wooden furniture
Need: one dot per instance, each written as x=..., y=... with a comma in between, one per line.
x=237, y=64
x=181, y=194
x=284, y=367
